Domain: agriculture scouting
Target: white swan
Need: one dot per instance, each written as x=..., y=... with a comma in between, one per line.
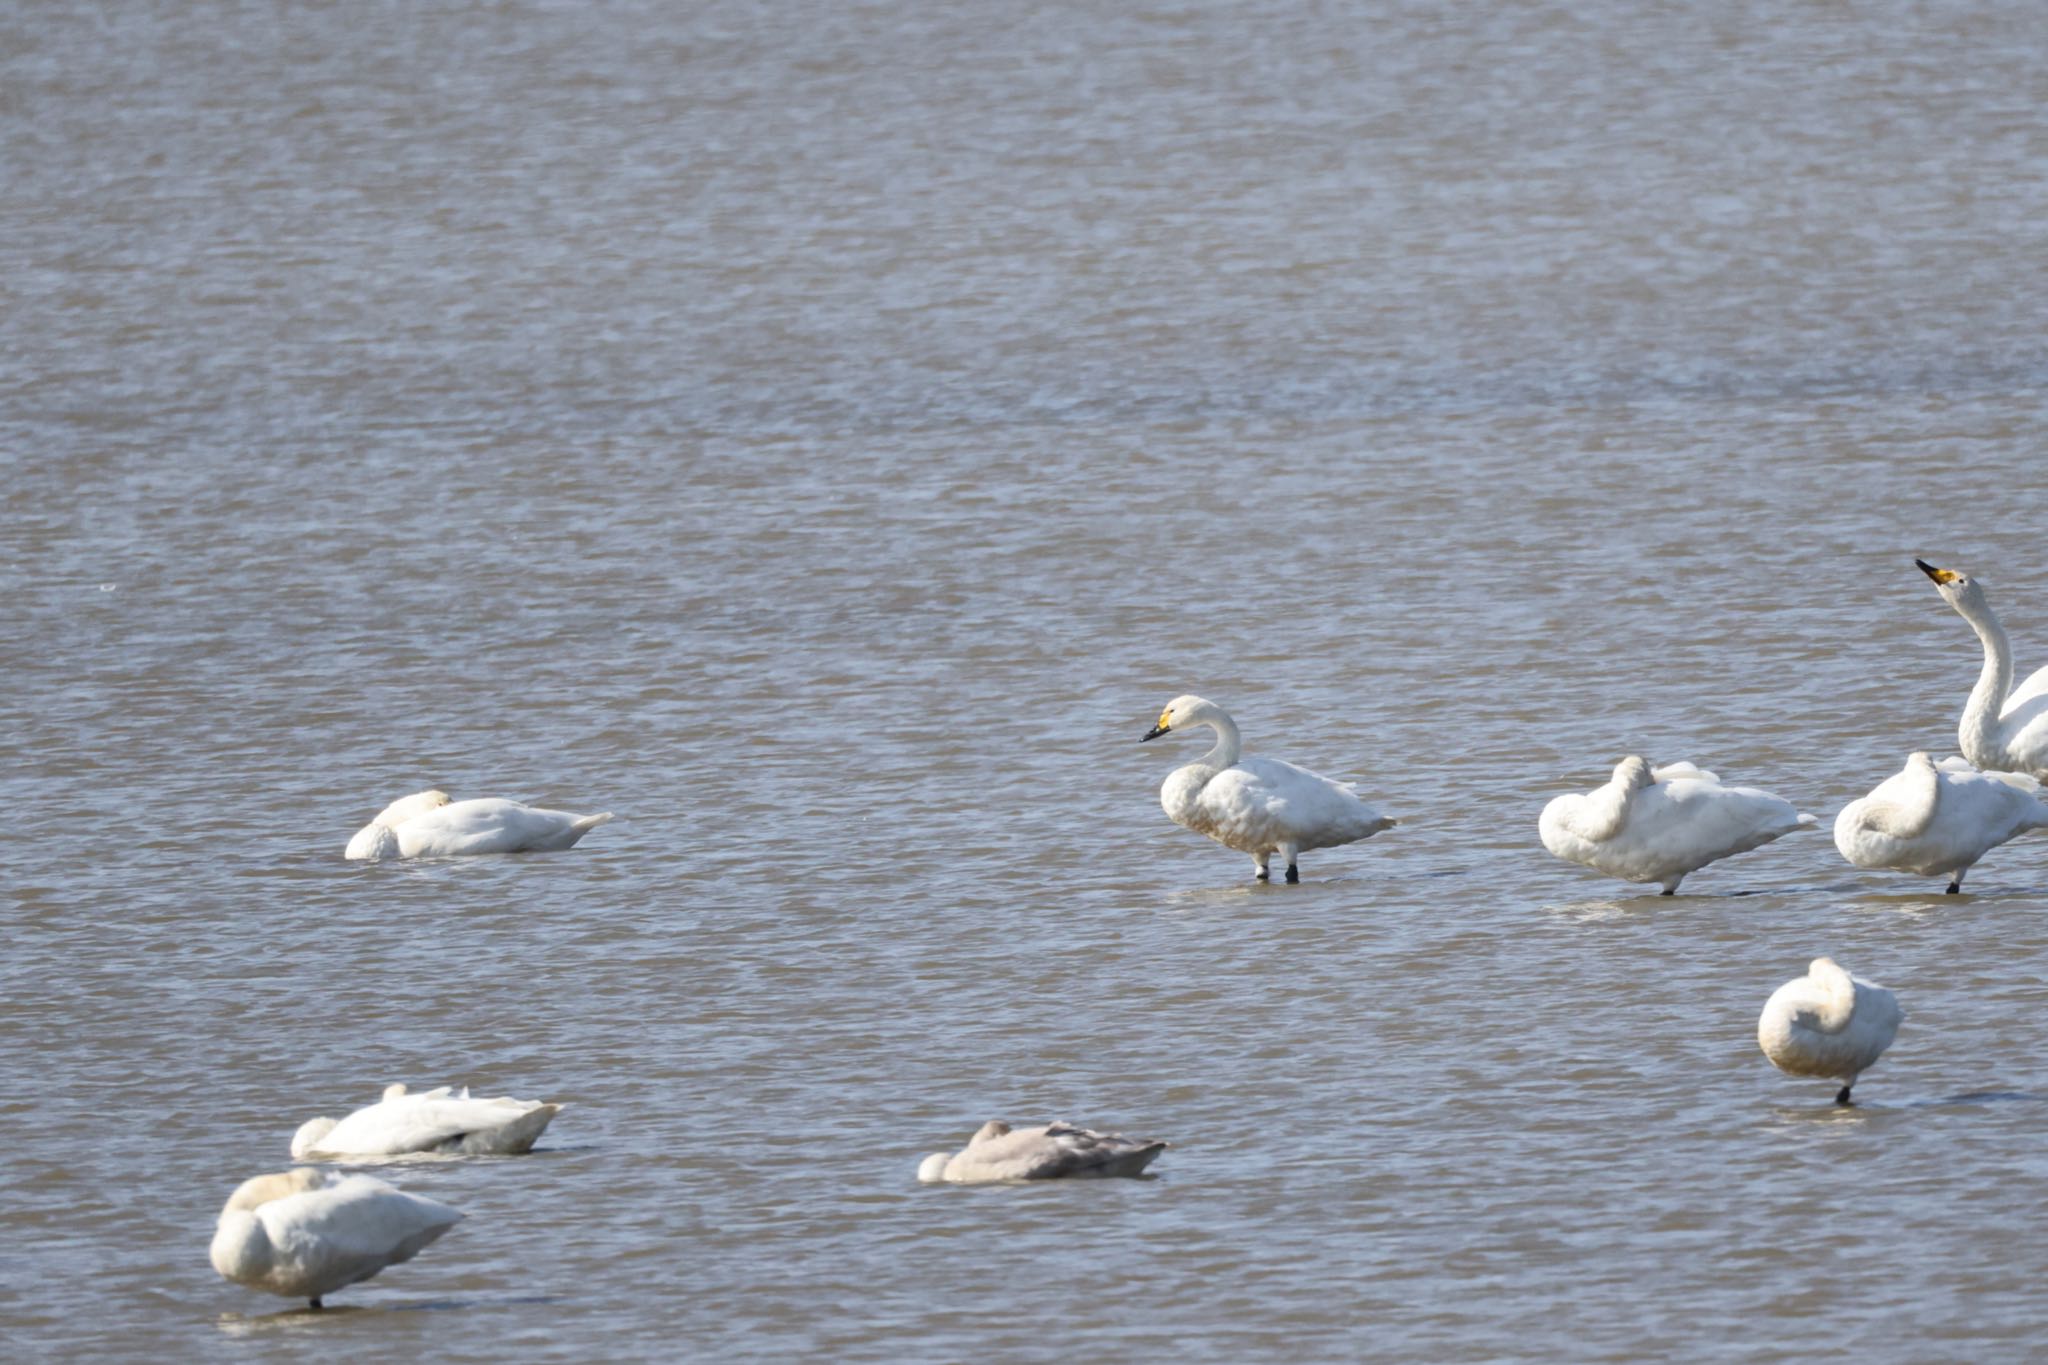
x=1657, y=824
x=1933, y=818
x=1259, y=806
x=305, y=1233
x=1828, y=1023
x=429, y=825
x=999, y=1152
x=2004, y=728
x=431, y=1121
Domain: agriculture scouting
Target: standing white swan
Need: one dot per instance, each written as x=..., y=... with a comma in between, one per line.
x=1935, y=819
x=430, y=1121
x=2004, y=728
x=305, y=1233
x=999, y=1152
x=429, y=825
x=1657, y=824
x=1828, y=1023
x=1259, y=806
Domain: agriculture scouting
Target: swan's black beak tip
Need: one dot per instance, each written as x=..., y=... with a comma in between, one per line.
x=1926, y=568
x=1155, y=732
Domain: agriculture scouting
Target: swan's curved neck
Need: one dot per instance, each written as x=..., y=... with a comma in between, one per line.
x=1228, y=745
x=1605, y=811
x=1978, y=732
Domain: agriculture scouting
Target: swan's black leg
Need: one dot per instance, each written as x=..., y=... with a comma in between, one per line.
x=1954, y=889
x=1842, y=1095
x=315, y=1304
x=1293, y=874
x=1262, y=876
x=1668, y=891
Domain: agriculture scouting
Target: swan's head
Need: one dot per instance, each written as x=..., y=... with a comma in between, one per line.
x=1180, y=713
x=988, y=1132
x=406, y=807
x=1633, y=772
x=396, y=1090
x=307, y=1139
x=1959, y=589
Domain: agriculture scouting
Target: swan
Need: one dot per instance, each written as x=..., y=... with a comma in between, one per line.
x=2004, y=729
x=305, y=1233
x=1828, y=1023
x=1657, y=824
x=429, y=825
x=999, y=1152
x=1259, y=806
x=433, y=1121
x=1940, y=818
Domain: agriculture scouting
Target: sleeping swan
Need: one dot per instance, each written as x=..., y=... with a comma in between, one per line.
x=1938, y=818
x=304, y=1233
x=1259, y=806
x=1828, y=1023
x=1657, y=824
x=999, y=1152
x=2004, y=728
x=435, y=1121
x=429, y=825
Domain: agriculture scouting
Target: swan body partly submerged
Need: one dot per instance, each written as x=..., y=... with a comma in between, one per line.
x=305, y=1233
x=429, y=825
x=1828, y=1024
x=1658, y=824
x=1937, y=819
x=437, y=1120
x=1259, y=806
x=2004, y=728
x=1056, y=1150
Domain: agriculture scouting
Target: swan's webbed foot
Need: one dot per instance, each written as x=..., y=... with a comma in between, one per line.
x=314, y=1304
x=1842, y=1095
x=1293, y=875
x=1262, y=875
x=1668, y=891
x=1954, y=889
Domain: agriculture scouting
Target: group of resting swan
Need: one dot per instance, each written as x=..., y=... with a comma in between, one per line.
x=305, y=1233
x=1656, y=824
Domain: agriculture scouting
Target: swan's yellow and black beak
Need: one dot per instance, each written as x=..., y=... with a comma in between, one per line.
x=1156, y=731
x=1938, y=575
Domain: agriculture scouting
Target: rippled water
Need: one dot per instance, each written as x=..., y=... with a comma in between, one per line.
x=825, y=437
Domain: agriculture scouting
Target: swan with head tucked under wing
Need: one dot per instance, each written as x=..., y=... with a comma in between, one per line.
x=1055, y=1151
x=1658, y=824
x=305, y=1233
x=1828, y=1024
x=436, y=1120
x=2004, y=728
x=1938, y=819
x=1259, y=806
x=429, y=825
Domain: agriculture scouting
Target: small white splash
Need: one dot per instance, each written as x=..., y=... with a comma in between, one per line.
x=108, y=587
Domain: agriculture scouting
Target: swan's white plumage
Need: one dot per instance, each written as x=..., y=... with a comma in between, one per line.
x=429, y=825
x=2004, y=728
x=1658, y=824
x=1054, y=1151
x=437, y=1120
x=305, y=1233
x=1938, y=819
x=1828, y=1024
x=1259, y=806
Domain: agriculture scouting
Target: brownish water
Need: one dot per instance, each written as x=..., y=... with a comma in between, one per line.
x=825, y=437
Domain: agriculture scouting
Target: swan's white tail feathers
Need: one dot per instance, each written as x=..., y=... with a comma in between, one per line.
x=587, y=823
x=1806, y=820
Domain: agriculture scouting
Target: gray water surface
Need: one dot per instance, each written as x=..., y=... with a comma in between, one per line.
x=826, y=437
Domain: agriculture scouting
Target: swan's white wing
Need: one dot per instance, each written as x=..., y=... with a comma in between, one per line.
x=347, y=1231
x=490, y=825
x=1672, y=772
x=1690, y=823
x=433, y=1121
x=1267, y=802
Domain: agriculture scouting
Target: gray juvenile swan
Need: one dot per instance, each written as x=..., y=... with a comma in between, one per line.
x=1259, y=806
x=999, y=1152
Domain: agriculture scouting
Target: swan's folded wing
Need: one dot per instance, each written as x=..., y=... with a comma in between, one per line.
x=1673, y=772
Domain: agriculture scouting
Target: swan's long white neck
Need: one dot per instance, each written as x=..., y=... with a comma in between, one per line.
x=1978, y=734
x=1228, y=744
x=1835, y=994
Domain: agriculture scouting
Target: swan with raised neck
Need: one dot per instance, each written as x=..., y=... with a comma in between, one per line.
x=2002, y=729
x=1259, y=806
